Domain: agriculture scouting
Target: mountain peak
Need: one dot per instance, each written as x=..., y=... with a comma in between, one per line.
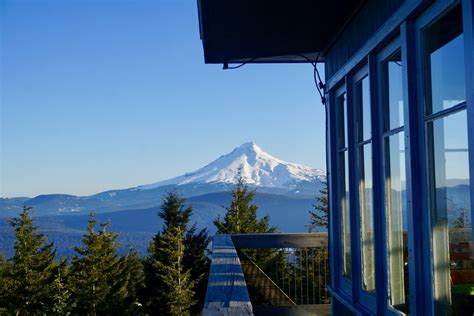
x=248, y=148
x=254, y=165
x=249, y=145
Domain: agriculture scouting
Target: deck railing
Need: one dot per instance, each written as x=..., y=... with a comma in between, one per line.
x=267, y=274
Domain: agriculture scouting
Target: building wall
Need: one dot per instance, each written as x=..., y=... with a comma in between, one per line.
x=363, y=26
x=414, y=35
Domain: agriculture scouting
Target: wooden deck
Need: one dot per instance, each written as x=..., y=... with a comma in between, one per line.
x=226, y=289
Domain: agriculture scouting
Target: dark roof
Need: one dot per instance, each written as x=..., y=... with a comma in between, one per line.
x=270, y=30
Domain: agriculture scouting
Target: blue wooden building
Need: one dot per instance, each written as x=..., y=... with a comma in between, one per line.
x=399, y=96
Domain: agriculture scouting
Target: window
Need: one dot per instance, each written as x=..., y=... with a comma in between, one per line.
x=448, y=168
x=395, y=182
x=365, y=183
x=343, y=167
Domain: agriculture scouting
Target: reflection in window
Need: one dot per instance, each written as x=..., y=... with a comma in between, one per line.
x=344, y=184
x=394, y=88
x=451, y=219
x=396, y=217
x=363, y=101
x=367, y=218
x=364, y=150
x=448, y=166
x=445, y=58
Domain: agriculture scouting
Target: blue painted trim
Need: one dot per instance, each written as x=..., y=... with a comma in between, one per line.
x=468, y=21
x=378, y=187
x=383, y=306
x=419, y=222
x=360, y=295
x=334, y=218
x=344, y=283
x=409, y=8
x=357, y=309
x=352, y=184
x=342, y=298
x=365, y=298
x=416, y=181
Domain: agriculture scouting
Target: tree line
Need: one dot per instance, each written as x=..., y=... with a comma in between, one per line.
x=96, y=280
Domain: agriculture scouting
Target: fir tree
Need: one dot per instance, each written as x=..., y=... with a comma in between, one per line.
x=241, y=215
x=196, y=260
x=99, y=277
x=319, y=217
x=178, y=287
x=5, y=283
x=462, y=220
x=62, y=303
x=193, y=261
x=28, y=282
x=173, y=213
x=135, y=283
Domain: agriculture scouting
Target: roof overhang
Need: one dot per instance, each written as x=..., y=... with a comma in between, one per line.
x=271, y=31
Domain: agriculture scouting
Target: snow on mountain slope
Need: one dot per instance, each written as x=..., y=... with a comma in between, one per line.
x=258, y=168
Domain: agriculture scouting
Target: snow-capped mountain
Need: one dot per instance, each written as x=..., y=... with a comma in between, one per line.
x=282, y=188
x=257, y=168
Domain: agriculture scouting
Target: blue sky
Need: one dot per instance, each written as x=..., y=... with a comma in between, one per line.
x=106, y=94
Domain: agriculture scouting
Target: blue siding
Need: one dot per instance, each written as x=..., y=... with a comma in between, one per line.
x=343, y=53
x=358, y=32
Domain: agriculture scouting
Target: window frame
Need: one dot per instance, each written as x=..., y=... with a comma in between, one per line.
x=344, y=282
x=425, y=272
x=411, y=20
x=367, y=299
x=421, y=25
x=385, y=132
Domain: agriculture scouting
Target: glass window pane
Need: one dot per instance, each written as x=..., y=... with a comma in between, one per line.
x=451, y=214
x=345, y=215
x=342, y=121
x=362, y=95
x=366, y=217
x=396, y=221
x=445, y=58
x=394, y=88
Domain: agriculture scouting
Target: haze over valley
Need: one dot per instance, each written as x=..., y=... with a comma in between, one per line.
x=282, y=188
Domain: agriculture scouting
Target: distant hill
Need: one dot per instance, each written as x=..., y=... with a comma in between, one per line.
x=285, y=191
x=137, y=226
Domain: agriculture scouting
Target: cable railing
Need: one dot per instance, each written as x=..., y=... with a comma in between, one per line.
x=281, y=271
x=302, y=274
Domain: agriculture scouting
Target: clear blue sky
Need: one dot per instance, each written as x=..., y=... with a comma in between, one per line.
x=106, y=94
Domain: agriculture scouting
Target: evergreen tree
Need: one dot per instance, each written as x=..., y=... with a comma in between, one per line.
x=177, y=295
x=135, y=283
x=5, y=283
x=28, y=281
x=462, y=220
x=173, y=212
x=196, y=260
x=319, y=217
x=62, y=303
x=99, y=278
x=241, y=215
x=192, y=261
